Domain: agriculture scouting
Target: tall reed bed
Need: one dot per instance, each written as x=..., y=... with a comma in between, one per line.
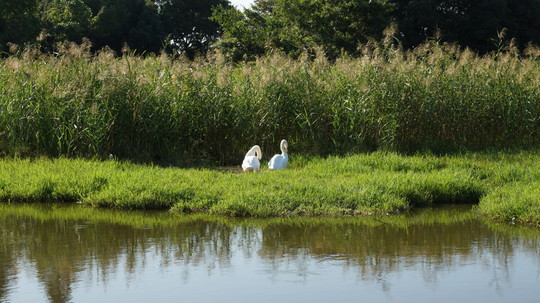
x=170, y=111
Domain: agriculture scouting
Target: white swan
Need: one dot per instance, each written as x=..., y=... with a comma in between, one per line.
x=251, y=160
x=280, y=161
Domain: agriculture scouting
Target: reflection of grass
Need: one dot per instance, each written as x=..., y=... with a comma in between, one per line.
x=432, y=216
x=378, y=183
x=54, y=211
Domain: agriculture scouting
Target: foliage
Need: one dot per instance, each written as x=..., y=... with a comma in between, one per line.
x=336, y=25
x=522, y=22
x=474, y=24
x=244, y=34
x=18, y=22
x=189, y=29
x=143, y=26
x=66, y=20
x=132, y=22
x=294, y=27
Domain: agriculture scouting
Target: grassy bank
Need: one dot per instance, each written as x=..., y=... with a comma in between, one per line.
x=377, y=183
x=168, y=111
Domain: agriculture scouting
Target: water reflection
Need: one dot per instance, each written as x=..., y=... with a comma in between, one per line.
x=66, y=248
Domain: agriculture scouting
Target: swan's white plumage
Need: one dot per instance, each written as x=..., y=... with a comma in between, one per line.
x=251, y=160
x=280, y=161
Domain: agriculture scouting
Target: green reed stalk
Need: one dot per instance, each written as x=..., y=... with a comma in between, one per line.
x=169, y=111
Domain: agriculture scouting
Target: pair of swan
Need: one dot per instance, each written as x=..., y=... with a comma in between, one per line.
x=279, y=161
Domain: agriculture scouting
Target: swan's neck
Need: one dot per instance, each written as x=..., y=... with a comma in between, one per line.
x=255, y=151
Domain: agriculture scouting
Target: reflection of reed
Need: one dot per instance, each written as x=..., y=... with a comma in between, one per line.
x=377, y=251
x=8, y=261
x=63, y=251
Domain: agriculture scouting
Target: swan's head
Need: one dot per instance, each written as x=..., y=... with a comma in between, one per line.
x=284, y=145
x=258, y=151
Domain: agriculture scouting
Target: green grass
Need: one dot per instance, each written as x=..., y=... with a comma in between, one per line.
x=168, y=111
x=503, y=185
x=517, y=202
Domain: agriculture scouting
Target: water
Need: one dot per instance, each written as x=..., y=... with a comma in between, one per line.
x=73, y=254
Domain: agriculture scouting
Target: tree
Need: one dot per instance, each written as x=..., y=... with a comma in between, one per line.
x=188, y=28
x=66, y=19
x=134, y=23
x=297, y=26
x=19, y=22
x=523, y=21
x=112, y=23
x=246, y=34
x=474, y=24
x=139, y=24
x=336, y=25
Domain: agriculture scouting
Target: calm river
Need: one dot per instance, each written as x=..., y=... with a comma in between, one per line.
x=53, y=253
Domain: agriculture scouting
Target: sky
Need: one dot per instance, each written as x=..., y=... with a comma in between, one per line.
x=242, y=3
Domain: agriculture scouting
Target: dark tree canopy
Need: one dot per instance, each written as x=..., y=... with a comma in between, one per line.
x=523, y=21
x=293, y=27
x=475, y=24
x=336, y=25
x=132, y=22
x=19, y=22
x=188, y=27
x=245, y=34
x=296, y=26
x=65, y=19
x=142, y=25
